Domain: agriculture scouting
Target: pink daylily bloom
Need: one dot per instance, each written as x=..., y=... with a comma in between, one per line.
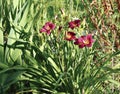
x=84, y=41
x=48, y=27
x=88, y=40
x=74, y=24
x=79, y=42
x=70, y=36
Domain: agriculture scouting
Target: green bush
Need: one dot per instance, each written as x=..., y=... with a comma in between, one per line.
x=33, y=62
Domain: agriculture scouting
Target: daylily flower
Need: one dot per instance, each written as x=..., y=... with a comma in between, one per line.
x=70, y=36
x=48, y=27
x=88, y=40
x=84, y=41
x=79, y=42
x=74, y=24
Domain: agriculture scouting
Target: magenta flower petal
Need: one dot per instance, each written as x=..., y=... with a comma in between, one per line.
x=79, y=42
x=77, y=22
x=48, y=32
x=43, y=30
x=71, y=25
x=52, y=26
x=48, y=27
x=74, y=24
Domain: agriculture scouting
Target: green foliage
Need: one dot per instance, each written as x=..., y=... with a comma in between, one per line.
x=33, y=62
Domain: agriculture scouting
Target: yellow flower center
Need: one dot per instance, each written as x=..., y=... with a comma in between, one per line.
x=74, y=24
x=86, y=41
x=47, y=27
x=68, y=36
